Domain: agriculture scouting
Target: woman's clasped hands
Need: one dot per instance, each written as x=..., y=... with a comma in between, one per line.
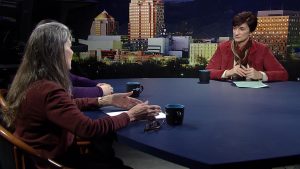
x=248, y=72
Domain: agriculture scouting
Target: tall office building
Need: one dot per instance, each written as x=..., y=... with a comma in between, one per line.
x=201, y=52
x=279, y=29
x=146, y=20
x=104, y=24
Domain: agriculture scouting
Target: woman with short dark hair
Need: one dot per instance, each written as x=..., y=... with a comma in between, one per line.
x=243, y=58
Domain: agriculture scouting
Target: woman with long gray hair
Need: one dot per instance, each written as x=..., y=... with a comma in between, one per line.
x=43, y=113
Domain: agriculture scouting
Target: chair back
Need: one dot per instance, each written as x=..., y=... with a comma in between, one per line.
x=15, y=153
x=3, y=104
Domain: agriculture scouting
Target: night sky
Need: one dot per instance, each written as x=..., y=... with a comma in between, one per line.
x=205, y=18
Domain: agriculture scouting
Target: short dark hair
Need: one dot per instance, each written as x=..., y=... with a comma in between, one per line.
x=245, y=17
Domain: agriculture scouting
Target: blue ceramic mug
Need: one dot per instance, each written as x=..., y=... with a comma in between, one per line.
x=204, y=76
x=174, y=114
x=136, y=87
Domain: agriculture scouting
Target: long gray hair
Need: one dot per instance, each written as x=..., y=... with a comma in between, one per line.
x=44, y=58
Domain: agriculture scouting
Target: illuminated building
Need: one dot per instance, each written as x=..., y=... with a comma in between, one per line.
x=146, y=20
x=103, y=43
x=181, y=43
x=104, y=24
x=199, y=51
x=158, y=45
x=279, y=29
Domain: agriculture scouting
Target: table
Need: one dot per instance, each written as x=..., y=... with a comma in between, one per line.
x=224, y=126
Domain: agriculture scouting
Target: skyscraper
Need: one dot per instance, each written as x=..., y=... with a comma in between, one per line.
x=279, y=29
x=104, y=24
x=201, y=52
x=146, y=20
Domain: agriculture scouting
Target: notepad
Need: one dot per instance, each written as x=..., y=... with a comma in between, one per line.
x=250, y=84
x=161, y=115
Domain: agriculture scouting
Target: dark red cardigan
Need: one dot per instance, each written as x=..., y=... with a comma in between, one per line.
x=49, y=118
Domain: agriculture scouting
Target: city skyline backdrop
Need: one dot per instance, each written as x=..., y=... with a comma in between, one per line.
x=205, y=19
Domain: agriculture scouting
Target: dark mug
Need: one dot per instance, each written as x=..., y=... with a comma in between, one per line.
x=136, y=87
x=204, y=76
x=174, y=114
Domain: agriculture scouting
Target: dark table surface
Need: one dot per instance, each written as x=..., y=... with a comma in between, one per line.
x=224, y=126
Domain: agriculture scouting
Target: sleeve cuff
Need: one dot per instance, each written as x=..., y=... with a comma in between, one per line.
x=264, y=76
x=224, y=75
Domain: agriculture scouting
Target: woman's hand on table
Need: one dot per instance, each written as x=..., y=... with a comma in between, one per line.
x=121, y=100
x=143, y=111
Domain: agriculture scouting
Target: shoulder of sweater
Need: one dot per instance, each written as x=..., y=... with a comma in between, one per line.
x=257, y=44
x=43, y=91
x=225, y=44
x=43, y=87
x=254, y=43
x=46, y=83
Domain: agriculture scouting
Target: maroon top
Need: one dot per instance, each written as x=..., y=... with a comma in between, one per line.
x=49, y=118
x=260, y=58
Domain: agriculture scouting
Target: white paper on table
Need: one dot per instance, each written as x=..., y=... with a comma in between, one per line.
x=250, y=84
x=161, y=115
